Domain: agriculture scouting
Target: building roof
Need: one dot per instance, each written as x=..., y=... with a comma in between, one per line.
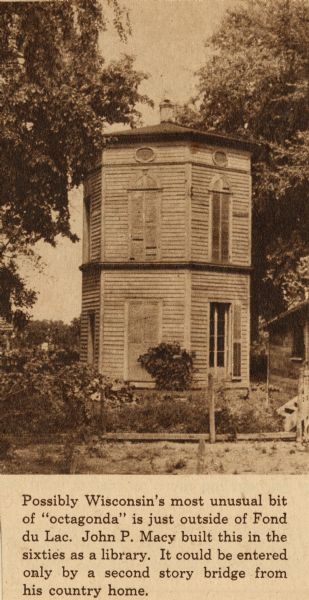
x=172, y=131
x=298, y=308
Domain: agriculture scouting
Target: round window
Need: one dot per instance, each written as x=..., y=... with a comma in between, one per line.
x=144, y=154
x=220, y=158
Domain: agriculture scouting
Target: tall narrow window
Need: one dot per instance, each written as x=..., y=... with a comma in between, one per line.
x=220, y=223
x=219, y=337
x=237, y=341
x=144, y=220
x=144, y=225
x=143, y=333
x=91, y=338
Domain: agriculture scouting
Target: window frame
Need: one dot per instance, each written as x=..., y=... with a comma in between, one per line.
x=218, y=182
x=231, y=340
x=145, y=184
x=87, y=228
x=227, y=335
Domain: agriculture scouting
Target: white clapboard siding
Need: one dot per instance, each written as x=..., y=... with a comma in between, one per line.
x=172, y=218
x=240, y=185
x=167, y=152
x=93, y=216
x=237, y=160
x=90, y=305
x=120, y=287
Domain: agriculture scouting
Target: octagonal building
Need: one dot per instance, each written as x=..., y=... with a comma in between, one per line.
x=167, y=251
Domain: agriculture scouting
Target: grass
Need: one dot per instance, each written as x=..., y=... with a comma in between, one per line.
x=161, y=458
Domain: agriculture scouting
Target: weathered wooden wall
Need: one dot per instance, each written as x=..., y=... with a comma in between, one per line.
x=283, y=370
x=209, y=287
x=121, y=286
x=203, y=173
x=121, y=172
x=92, y=235
x=91, y=303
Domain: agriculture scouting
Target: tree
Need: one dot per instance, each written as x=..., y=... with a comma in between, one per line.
x=57, y=334
x=256, y=85
x=56, y=95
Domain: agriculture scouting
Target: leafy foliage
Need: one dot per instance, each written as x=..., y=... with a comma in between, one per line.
x=56, y=95
x=169, y=365
x=189, y=414
x=249, y=416
x=40, y=392
x=57, y=334
x=256, y=85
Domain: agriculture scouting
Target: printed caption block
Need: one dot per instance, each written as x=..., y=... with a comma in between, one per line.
x=112, y=537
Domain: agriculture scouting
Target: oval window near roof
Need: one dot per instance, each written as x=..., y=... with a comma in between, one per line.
x=220, y=158
x=144, y=154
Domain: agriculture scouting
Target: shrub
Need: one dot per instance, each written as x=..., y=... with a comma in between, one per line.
x=169, y=365
x=248, y=416
x=159, y=414
x=45, y=393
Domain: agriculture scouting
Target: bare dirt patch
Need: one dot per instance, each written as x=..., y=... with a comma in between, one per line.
x=161, y=458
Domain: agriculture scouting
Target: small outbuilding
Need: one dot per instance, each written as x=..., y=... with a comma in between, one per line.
x=288, y=348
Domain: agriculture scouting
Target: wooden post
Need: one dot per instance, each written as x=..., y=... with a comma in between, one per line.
x=300, y=400
x=102, y=405
x=211, y=408
x=73, y=464
x=201, y=456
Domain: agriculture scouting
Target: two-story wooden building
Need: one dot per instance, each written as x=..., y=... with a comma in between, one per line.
x=167, y=251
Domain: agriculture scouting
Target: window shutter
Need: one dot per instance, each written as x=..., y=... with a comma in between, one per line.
x=225, y=226
x=136, y=218
x=151, y=324
x=215, y=226
x=237, y=341
x=143, y=333
x=151, y=224
x=87, y=233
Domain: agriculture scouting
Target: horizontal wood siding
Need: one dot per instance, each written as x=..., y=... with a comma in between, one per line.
x=217, y=287
x=168, y=152
x=235, y=159
x=121, y=286
x=283, y=372
x=172, y=181
x=90, y=303
x=93, y=191
x=240, y=186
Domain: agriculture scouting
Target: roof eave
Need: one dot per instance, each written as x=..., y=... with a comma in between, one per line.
x=187, y=136
x=285, y=315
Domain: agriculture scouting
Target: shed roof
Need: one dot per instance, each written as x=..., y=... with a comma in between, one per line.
x=171, y=131
x=298, y=308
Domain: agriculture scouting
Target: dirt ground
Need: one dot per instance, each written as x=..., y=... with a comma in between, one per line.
x=161, y=458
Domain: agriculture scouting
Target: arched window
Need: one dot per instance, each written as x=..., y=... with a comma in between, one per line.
x=220, y=220
x=144, y=219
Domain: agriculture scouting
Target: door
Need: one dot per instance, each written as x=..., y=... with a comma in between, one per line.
x=219, y=319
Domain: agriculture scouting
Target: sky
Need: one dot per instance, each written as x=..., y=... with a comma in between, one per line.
x=168, y=38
